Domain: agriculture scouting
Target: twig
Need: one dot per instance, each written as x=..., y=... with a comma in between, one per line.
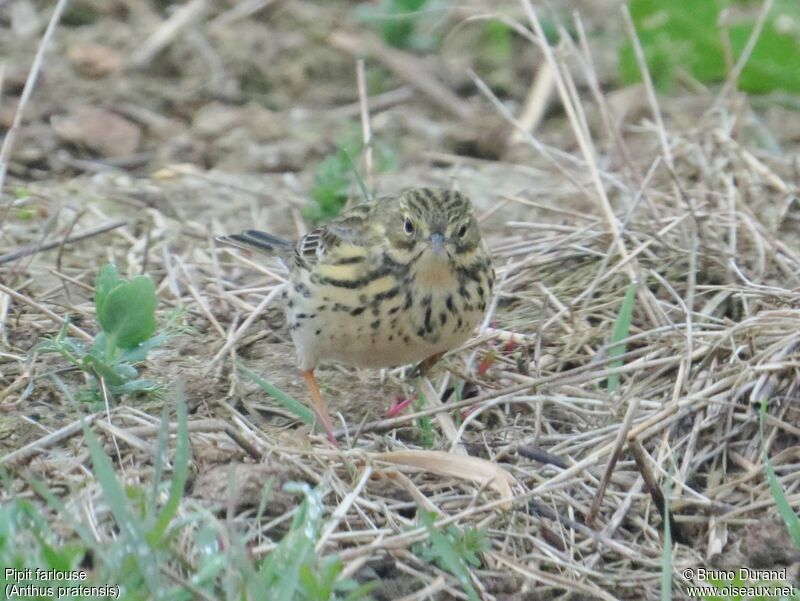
x=540, y=455
x=648, y=85
x=181, y=19
x=580, y=128
x=343, y=508
x=45, y=311
x=39, y=445
x=363, y=100
x=243, y=328
x=206, y=426
x=633, y=405
x=378, y=103
x=63, y=244
x=405, y=65
x=427, y=592
x=641, y=457
x=539, y=95
x=741, y=62
x=382, y=425
x=32, y=249
x=240, y=10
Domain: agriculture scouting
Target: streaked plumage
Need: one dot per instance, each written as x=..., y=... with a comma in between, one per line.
x=391, y=282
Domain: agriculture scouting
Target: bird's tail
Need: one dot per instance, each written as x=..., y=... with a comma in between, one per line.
x=257, y=240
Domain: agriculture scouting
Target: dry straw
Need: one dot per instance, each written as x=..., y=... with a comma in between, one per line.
x=700, y=221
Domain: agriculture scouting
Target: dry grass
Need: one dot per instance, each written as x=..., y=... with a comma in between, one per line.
x=705, y=223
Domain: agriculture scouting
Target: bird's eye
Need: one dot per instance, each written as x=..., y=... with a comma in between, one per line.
x=408, y=226
x=462, y=231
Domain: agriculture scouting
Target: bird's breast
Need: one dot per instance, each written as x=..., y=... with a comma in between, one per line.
x=387, y=315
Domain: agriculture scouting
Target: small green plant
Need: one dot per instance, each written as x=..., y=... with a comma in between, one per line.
x=453, y=550
x=337, y=173
x=400, y=23
x=145, y=517
x=158, y=531
x=294, y=571
x=331, y=186
x=424, y=423
x=125, y=311
x=784, y=508
x=622, y=327
x=493, y=56
x=28, y=544
x=690, y=36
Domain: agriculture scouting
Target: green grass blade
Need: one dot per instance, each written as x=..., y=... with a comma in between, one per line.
x=281, y=569
x=425, y=423
x=180, y=472
x=289, y=402
x=118, y=502
x=58, y=506
x=666, y=557
x=449, y=556
x=784, y=508
x=107, y=279
x=621, y=329
x=364, y=192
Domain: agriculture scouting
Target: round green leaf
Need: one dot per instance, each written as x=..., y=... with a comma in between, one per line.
x=127, y=314
x=107, y=279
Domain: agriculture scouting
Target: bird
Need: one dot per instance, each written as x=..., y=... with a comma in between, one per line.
x=396, y=280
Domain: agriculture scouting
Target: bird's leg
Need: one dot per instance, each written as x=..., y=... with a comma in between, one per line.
x=320, y=407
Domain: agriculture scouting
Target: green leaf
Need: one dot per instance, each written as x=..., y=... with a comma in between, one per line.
x=141, y=385
x=139, y=352
x=309, y=583
x=685, y=35
x=784, y=508
x=290, y=403
x=446, y=552
x=425, y=423
x=107, y=279
x=127, y=314
x=773, y=63
x=180, y=473
x=125, y=371
x=398, y=22
x=130, y=526
x=621, y=329
x=59, y=507
x=282, y=570
x=363, y=186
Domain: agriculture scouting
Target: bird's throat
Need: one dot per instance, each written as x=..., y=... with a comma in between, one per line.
x=433, y=270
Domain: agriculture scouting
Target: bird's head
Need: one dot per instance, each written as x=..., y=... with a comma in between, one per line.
x=439, y=222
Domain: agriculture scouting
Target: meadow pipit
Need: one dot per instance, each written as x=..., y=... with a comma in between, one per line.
x=397, y=280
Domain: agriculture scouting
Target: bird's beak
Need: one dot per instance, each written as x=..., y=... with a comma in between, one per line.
x=437, y=240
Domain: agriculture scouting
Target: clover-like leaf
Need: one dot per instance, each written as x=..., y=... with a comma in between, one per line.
x=107, y=279
x=127, y=314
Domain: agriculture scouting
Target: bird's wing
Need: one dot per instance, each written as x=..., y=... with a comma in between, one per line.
x=352, y=228
x=258, y=240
